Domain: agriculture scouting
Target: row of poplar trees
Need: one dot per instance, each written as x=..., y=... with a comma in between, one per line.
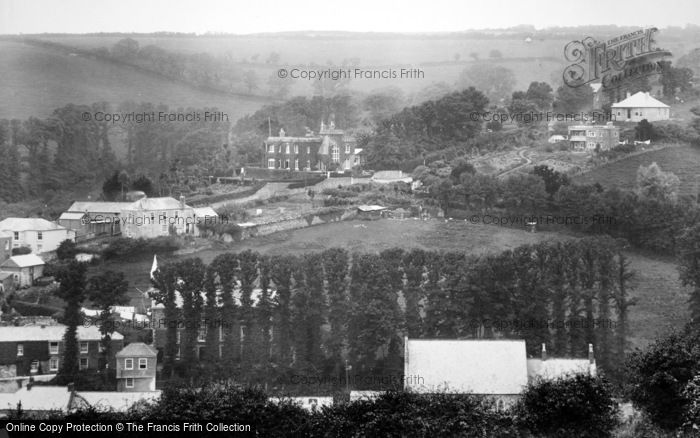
x=314, y=314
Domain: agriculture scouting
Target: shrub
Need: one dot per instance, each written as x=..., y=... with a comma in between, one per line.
x=581, y=406
x=66, y=250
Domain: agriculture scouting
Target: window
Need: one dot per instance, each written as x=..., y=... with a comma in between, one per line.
x=296, y=148
x=335, y=154
x=129, y=382
x=53, y=364
x=143, y=363
x=129, y=364
x=100, y=348
x=20, y=349
x=39, y=235
x=271, y=163
x=347, y=148
x=83, y=363
x=202, y=334
x=83, y=347
x=16, y=235
x=591, y=133
x=271, y=148
x=308, y=164
x=286, y=148
x=308, y=150
x=53, y=347
x=296, y=164
x=221, y=333
x=7, y=245
x=34, y=367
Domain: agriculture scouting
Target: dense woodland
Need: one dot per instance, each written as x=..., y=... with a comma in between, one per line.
x=307, y=314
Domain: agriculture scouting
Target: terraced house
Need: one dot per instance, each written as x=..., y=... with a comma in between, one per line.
x=38, y=349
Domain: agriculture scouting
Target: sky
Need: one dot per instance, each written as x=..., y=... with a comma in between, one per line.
x=255, y=16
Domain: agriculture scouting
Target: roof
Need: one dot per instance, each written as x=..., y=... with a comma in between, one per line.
x=137, y=349
x=52, y=333
x=555, y=368
x=370, y=207
x=115, y=401
x=38, y=398
x=28, y=224
x=596, y=87
x=98, y=207
x=23, y=261
x=71, y=216
x=165, y=203
x=496, y=367
x=640, y=99
x=204, y=211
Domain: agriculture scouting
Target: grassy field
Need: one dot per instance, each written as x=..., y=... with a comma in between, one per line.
x=35, y=81
x=661, y=299
x=682, y=160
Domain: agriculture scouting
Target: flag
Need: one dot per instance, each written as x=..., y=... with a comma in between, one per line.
x=154, y=268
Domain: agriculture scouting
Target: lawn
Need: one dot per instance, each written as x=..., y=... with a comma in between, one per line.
x=662, y=301
x=682, y=160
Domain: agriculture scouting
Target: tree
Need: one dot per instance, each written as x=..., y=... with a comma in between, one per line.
x=689, y=267
x=570, y=100
x=72, y=291
x=644, y=131
x=123, y=179
x=581, y=406
x=540, y=93
x=658, y=376
x=553, y=180
x=335, y=265
x=144, y=184
x=106, y=290
x=66, y=250
x=654, y=183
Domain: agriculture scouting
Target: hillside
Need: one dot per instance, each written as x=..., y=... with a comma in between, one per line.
x=36, y=80
x=682, y=160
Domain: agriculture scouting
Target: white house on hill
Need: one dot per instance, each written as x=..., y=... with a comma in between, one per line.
x=23, y=268
x=640, y=106
x=38, y=234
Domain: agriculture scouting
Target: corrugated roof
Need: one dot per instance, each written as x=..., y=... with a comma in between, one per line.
x=466, y=366
x=165, y=203
x=640, y=99
x=98, y=207
x=28, y=224
x=23, y=261
x=137, y=349
x=51, y=333
x=38, y=398
x=71, y=216
x=115, y=401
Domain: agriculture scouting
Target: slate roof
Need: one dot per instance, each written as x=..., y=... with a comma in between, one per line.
x=98, y=207
x=28, y=224
x=165, y=203
x=51, y=333
x=23, y=261
x=38, y=398
x=640, y=99
x=137, y=349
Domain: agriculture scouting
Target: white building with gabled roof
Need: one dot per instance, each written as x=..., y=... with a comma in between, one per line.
x=640, y=106
x=36, y=233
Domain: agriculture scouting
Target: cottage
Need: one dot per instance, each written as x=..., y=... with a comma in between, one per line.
x=640, y=106
x=38, y=349
x=24, y=269
x=370, y=211
x=497, y=369
x=38, y=234
x=136, y=368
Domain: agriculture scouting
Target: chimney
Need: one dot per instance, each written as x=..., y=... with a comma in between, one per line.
x=544, y=351
x=591, y=357
x=182, y=201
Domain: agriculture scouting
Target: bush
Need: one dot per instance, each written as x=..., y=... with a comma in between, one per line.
x=22, y=250
x=340, y=193
x=124, y=247
x=66, y=250
x=581, y=406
